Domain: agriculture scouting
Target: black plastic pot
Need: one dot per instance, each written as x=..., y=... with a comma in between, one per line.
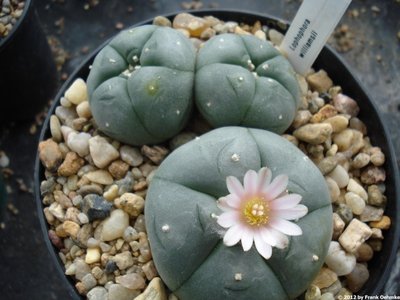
x=2, y=195
x=340, y=73
x=28, y=76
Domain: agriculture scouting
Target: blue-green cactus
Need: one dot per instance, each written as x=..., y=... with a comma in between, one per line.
x=141, y=84
x=186, y=240
x=243, y=80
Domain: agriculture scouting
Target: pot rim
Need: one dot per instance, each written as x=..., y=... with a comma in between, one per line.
x=229, y=15
x=17, y=26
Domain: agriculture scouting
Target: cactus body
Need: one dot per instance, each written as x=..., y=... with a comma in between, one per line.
x=242, y=80
x=186, y=240
x=141, y=84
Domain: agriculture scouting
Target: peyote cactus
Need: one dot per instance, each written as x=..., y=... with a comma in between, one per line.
x=243, y=80
x=182, y=214
x=141, y=84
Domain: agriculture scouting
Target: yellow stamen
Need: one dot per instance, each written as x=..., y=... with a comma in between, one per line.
x=256, y=211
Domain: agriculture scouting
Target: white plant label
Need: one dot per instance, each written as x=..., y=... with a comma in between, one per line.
x=310, y=30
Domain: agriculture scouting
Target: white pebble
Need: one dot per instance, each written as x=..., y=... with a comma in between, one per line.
x=102, y=152
x=340, y=175
x=79, y=143
x=114, y=226
x=354, y=235
x=77, y=92
x=355, y=187
x=92, y=255
x=355, y=202
x=339, y=261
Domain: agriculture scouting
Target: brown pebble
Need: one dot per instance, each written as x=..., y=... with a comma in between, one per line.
x=118, y=169
x=364, y=253
x=71, y=164
x=327, y=111
x=373, y=175
x=55, y=239
x=383, y=223
x=319, y=81
x=357, y=278
x=346, y=105
x=156, y=154
x=50, y=155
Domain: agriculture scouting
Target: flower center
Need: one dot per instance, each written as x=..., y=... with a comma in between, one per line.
x=256, y=211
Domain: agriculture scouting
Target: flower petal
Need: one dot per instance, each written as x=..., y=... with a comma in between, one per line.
x=223, y=204
x=228, y=219
x=268, y=236
x=250, y=182
x=234, y=186
x=233, y=200
x=285, y=202
x=292, y=213
x=233, y=235
x=264, y=178
x=282, y=240
x=285, y=226
x=277, y=186
x=247, y=238
x=262, y=247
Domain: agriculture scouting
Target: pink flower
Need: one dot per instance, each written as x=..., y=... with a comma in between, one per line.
x=260, y=211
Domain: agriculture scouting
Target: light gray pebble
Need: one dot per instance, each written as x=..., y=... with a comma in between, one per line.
x=97, y=293
x=371, y=213
x=82, y=269
x=118, y=292
x=327, y=164
x=130, y=234
x=131, y=155
x=89, y=281
x=65, y=113
x=140, y=224
x=360, y=160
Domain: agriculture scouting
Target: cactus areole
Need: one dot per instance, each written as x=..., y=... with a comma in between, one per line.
x=243, y=80
x=197, y=197
x=141, y=84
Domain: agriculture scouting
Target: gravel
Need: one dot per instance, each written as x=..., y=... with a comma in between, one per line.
x=109, y=256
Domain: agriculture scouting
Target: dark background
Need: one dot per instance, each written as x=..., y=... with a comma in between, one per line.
x=369, y=34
